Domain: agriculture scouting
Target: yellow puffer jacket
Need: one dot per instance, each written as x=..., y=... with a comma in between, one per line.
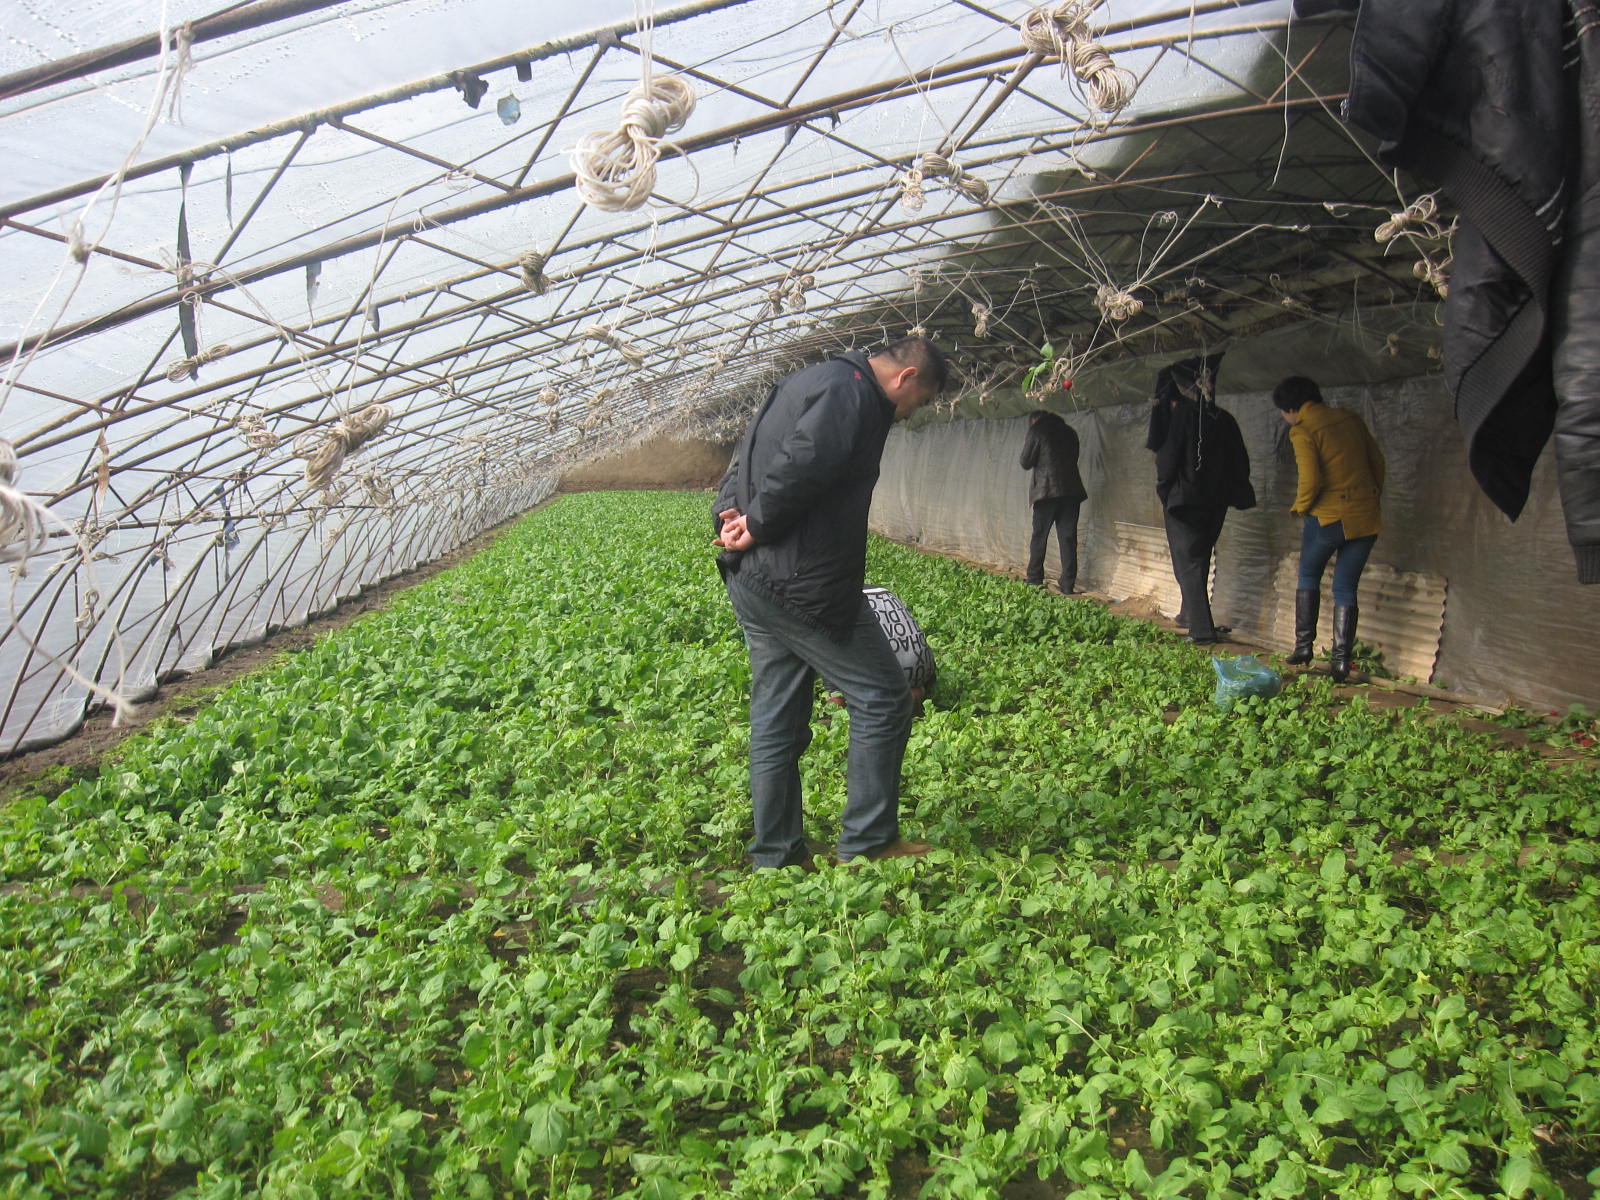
x=1341, y=469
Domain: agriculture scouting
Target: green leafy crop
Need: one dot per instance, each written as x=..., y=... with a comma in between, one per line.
x=453, y=904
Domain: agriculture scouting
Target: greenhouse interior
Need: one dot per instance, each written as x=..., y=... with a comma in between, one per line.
x=376, y=757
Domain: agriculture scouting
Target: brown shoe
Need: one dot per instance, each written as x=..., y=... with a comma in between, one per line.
x=899, y=848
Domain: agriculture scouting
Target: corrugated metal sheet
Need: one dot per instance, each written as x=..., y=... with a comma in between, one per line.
x=1144, y=568
x=1402, y=614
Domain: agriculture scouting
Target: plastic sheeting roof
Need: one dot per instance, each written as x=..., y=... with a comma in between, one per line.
x=223, y=232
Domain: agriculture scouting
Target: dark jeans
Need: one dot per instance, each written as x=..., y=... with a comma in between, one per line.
x=1063, y=514
x=1319, y=543
x=1191, y=537
x=786, y=655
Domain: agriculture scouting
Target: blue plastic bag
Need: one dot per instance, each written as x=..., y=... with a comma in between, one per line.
x=1243, y=676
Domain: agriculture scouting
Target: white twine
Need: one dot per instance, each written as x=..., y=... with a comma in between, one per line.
x=616, y=171
x=1116, y=303
x=185, y=368
x=530, y=265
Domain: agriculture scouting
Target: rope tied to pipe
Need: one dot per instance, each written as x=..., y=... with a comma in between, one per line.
x=937, y=166
x=616, y=171
x=255, y=433
x=1063, y=33
x=600, y=333
x=326, y=449
x=188, y=368
x=530, y=266
x=549, y=397
x=22, y=519
x=981, y=315
x=1117, y=304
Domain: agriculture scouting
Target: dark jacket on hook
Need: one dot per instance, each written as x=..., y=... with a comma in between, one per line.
x=803, y=474
x=1485, y=100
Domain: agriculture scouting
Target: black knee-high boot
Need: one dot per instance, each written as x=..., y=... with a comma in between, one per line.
x=1344, y=640
x=1307, y=606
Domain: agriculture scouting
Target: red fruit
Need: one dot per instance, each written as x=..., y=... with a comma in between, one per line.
x=1066, y=385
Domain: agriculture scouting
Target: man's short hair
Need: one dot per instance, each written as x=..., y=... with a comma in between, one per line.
x=1295, y=392
x=922, y=354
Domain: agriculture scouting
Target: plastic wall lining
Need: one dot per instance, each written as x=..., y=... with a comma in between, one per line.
x=1516, y=626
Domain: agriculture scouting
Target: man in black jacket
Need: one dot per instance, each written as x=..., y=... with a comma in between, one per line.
x=1202, y=470
x=791, y=516
x=1056, y=491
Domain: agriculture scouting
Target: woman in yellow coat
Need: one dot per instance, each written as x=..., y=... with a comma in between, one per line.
x=1341, y=479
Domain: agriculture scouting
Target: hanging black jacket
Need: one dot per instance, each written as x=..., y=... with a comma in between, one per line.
x=803, y=474
x=1497, y=105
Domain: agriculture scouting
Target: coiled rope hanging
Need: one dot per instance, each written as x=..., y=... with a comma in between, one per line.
x=1419, y=222
x=1116, y=303
x=530, y=266
x=616, y=171
x=22, y=519
x=185, y=368
x=326, y=449
x=600, y=333
x=255, y=433
x=1063, y=33
x=937, y=166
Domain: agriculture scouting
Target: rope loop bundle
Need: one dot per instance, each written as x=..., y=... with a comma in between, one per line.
x=600, y=333
x=1116, y=303
x=1435, y=274
x=616, y=171
x=1420, y=218
x=981, y=315
x=937, y=166
x=549, y=397
x=530, y=266
x=255, y=433
x=22, y=519
x=911, y=195
x=1063, y=33
x=186, y=368
x=326, y=449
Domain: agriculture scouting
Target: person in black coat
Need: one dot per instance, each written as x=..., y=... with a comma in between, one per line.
x=1056, y=491
x=791, y=518
x=1202, y=470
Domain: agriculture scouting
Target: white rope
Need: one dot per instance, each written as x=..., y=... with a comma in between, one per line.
x=616, y=171
x=1117, y=304
x=255, y=432
x=1063, y=33
x=22, y=519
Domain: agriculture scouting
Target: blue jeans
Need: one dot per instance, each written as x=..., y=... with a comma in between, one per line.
x=1319, y=543
x=786, y=655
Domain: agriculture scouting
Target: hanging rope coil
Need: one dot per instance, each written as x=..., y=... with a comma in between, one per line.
x=549, y=397
x=530, y=266
x=1420, y=218
x=981, y=315
x=600, y=333
x=22, y=519
x=255, y=433
x=616, y=171
x=1063, y=33
x=937, y=166
x=326, y=449
x=186, y=368
x=912, y=197
x=1116, y=303
x=1435, y=274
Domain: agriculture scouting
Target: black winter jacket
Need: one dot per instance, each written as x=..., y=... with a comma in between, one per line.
x=1202, y=464
x=1497, y=104
x=803, y=474
x=1050, y=451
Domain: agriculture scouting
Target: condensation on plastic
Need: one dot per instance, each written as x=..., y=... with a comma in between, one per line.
x=1517, y=625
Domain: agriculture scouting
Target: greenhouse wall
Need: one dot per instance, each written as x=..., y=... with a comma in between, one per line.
x=1455, y=595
